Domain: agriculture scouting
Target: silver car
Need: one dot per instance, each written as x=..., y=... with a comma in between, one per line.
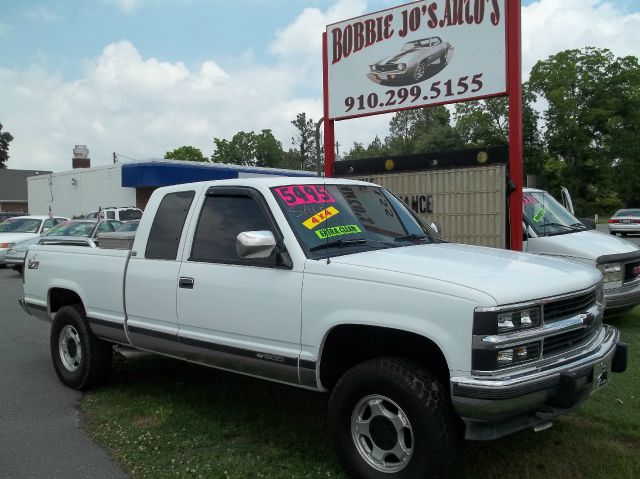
x=412, y=64
x=15, y=256
x=625, y=222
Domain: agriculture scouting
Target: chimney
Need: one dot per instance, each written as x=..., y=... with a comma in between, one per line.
x=81, y=157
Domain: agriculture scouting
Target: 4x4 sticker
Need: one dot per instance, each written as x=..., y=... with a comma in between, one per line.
x=321, y=217
x=338, y=231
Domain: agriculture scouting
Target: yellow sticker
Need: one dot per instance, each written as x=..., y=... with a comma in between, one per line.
x=321, y=217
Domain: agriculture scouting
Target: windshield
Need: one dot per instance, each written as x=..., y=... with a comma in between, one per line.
x=341, y=219
x=20, y=225
x=627, y=213
x=546, y=216
x=72, y=228
x=131, y=226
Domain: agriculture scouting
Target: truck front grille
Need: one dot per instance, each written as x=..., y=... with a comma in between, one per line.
x=565, y=308
x=560, y=343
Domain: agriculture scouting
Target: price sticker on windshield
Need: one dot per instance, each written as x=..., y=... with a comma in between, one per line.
x=321, y=217
x=294, y=195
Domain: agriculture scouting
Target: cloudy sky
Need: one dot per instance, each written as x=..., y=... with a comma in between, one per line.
x=141, y=77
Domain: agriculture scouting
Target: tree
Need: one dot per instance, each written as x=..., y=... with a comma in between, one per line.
x=5, y=139
x=421, y=130
x=251, y=149
x=486, y=123
x=240, y=150
x=304, y=141
x=590, y=117
x=186, y=153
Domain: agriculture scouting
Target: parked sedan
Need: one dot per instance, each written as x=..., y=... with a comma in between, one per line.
x=410, y=64
x=625, y=221
x=16, y=255
x=84, y=228
x=14, y=230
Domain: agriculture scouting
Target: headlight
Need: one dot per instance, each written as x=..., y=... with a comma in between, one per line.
x=11, y=251
x=612, y=274
x=6, y=245
x=372, y=67
x=402, y=66
x=507, y=321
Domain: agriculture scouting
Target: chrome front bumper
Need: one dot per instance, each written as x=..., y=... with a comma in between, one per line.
x=493, y=407
x=622, y=299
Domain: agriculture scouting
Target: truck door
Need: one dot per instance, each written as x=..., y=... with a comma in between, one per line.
x=235, y=313
x=566, y=200
x=152, y=278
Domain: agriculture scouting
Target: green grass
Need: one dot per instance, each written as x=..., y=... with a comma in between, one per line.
x=161, y=418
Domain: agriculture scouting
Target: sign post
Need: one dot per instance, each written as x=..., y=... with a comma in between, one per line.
x=514, y=65
x=427, y=53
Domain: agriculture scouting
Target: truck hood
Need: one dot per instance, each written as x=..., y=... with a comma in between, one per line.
x=507, y=276
x=15, y=237
x=584, y=244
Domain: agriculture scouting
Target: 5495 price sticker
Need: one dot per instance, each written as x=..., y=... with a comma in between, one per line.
x=294, y=195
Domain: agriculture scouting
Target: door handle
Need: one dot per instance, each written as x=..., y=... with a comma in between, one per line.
x=185, y=282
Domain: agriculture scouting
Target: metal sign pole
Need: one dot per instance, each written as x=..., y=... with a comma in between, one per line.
x=329, y=136
x=514, y=79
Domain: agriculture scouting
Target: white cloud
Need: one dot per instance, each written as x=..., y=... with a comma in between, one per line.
x=550, y=26
x=304, y=35
x=126, y=6
x=41, y=14
x=142, y=107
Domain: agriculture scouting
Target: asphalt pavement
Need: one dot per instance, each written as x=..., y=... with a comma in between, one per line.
x=40, y=434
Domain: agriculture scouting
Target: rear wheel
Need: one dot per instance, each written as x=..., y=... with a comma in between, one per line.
x=80, y=359
x=390, y=418
x=420, y=71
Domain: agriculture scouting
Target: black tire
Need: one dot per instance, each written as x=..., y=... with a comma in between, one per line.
x=80, y=359
x=419, y=72
x=412, y=393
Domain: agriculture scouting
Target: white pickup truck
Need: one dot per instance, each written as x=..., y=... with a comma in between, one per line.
x=336, y=286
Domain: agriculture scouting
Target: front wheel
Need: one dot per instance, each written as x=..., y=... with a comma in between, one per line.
x=80, y=359
x=390, y=418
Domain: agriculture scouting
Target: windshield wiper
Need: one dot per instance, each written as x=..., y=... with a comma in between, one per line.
x=338, y=244
x=560, y=225
x=579, y=226
x=410, y=237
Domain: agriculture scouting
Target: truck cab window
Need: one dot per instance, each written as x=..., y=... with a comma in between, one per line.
x=221, y=220
x=166, y=230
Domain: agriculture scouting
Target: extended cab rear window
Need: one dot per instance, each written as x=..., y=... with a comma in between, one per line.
x=168, y=223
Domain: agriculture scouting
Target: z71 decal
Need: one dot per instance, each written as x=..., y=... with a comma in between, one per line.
x=321, y=217
x=304, y=194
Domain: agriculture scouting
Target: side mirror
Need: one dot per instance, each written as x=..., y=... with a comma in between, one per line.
x=435, y=228
x=255, y=244
x=44, y=230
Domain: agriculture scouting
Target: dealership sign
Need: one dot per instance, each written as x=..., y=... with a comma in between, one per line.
x=423, y=53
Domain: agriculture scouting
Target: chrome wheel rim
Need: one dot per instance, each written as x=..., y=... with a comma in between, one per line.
x=419, y=73
x=69, y=348
x=382, y=433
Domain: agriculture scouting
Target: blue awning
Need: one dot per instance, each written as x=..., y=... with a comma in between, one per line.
x=158, y=173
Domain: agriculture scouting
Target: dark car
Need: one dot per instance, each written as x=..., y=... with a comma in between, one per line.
x=5, y=215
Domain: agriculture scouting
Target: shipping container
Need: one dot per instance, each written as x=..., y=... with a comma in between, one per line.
x=464, y=192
